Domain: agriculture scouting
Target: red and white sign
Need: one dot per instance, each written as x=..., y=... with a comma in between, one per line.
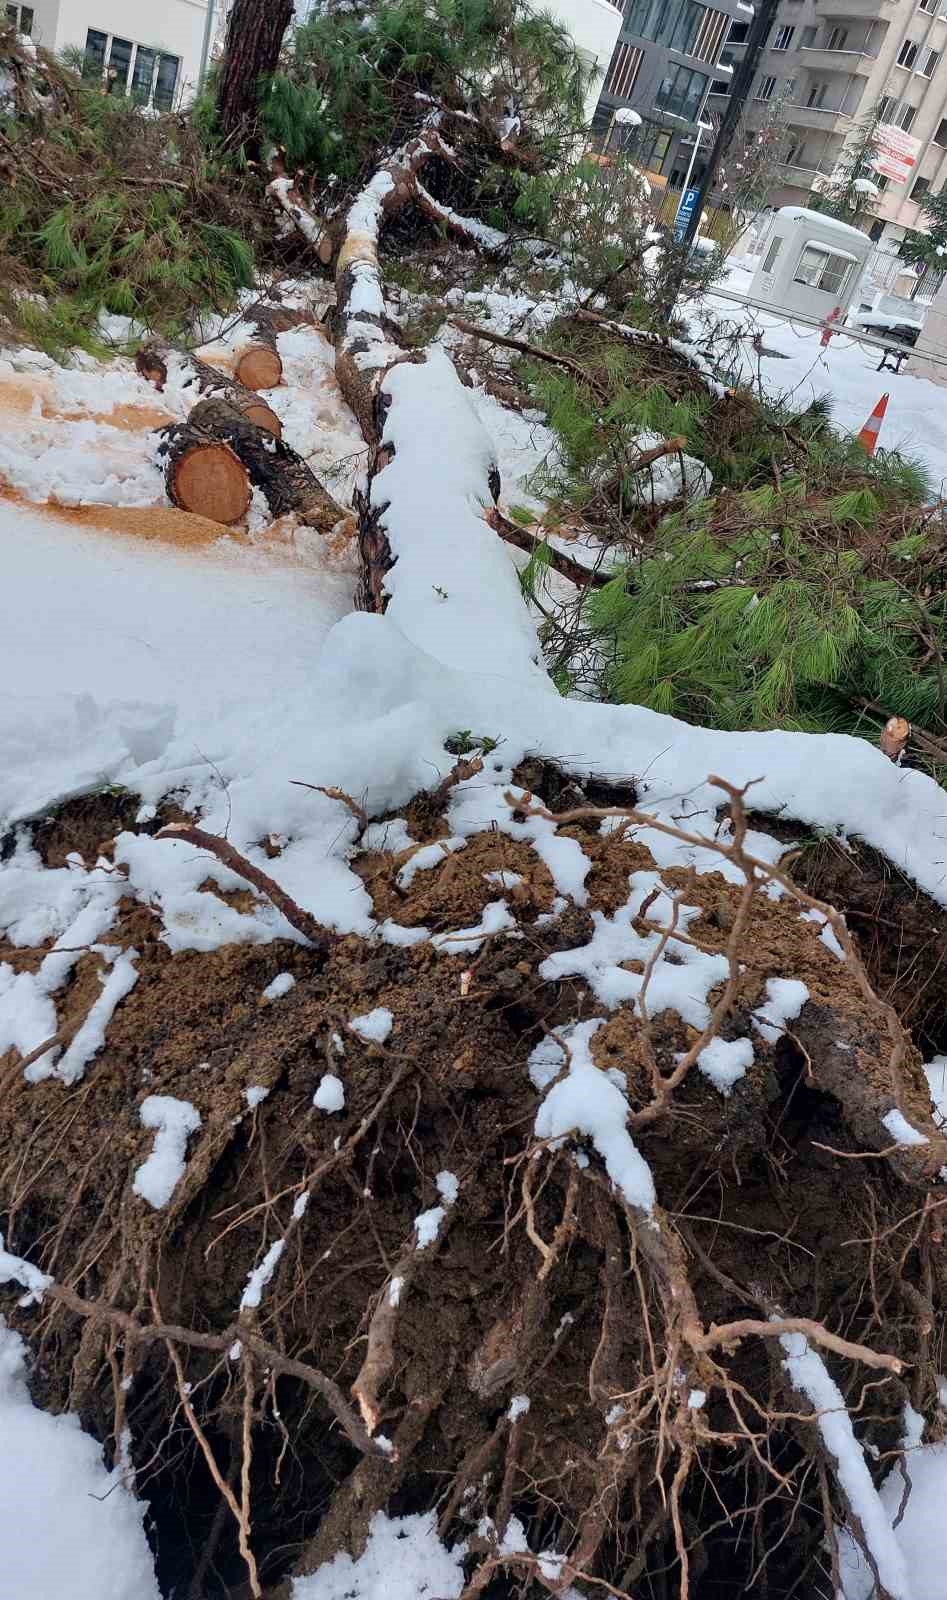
x=896, y=153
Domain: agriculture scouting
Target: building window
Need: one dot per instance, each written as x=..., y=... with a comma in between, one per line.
x=930, y=6
x=882, y=182
x=771, y=255
x=783, y=38
x=919, y=188
x=896, y=112
x=907, y=55
x=765, y=89
x=721, y=86
x=816, y=95
x=149, y=75
x=809, y=36
x=820, y=269
x=654, y=148
x=623, y=70
x=22, y=18
x=683, y=30
x=940, y=136
x=738, y=33
x=931, y=59
x=681, y=92
x=119, y=66
x=790, y=90
x=706, y=43
x=651, y=19
x=837, y=39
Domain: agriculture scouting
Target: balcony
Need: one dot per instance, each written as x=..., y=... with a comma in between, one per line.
x=848, y=61
x=827, y=119
x=869, y=10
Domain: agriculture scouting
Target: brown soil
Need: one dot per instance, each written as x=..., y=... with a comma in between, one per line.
x=901, y=932
x=764, y=1214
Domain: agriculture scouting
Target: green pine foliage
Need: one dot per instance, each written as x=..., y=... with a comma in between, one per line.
x=350, y=85
x=782, y=608
x=929, y=249
x=126, y=215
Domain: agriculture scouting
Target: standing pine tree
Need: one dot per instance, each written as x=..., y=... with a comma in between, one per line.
x=929, y=250
x=255, y=32
x=851, y=191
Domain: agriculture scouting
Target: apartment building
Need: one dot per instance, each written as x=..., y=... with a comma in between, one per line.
x=664, y=62
x=828, y=63
x=152, y=52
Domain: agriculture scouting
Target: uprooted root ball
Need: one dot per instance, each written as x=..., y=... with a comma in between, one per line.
x=434, y=1229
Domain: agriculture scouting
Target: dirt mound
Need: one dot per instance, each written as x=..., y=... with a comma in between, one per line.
x=484, y=1275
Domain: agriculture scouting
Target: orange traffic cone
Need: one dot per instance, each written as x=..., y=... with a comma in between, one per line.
x=868, y=437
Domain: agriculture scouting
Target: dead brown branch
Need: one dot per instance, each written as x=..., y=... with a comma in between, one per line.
x=228, y=856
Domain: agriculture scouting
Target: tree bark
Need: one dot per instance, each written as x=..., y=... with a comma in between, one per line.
x=254, y=35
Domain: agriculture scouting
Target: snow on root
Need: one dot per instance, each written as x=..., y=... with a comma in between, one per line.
x=116, y=984
x=586, y=1101
x=373, y=1026
x=679, y=981
x=809, y=1374
x=403, y=1560
x=69, y=1528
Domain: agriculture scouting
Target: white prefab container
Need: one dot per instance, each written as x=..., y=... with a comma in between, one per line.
x=810, y=263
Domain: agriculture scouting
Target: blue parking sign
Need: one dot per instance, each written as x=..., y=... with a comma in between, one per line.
x=685, y=211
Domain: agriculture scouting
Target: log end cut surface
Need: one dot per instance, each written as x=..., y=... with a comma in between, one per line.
x=209, y=480
x=259, y=367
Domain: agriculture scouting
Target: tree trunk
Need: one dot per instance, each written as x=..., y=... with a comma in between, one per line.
x=286, y=480
x=254, y=35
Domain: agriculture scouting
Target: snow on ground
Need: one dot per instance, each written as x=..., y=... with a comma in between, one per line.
x=84, y=434
x=916, y=418
x=117, y=651
x=70, y=1529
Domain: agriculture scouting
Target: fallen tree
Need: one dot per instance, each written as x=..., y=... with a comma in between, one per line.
x=579, y=1167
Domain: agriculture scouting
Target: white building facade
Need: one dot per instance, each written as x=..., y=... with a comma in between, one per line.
x=152, y=52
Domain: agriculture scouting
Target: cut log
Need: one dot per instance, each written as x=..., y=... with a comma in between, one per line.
x=286, y=480
x=204, y=475
x=259, y=367
x=258, y=364
x=152, y=363
x=246, y=405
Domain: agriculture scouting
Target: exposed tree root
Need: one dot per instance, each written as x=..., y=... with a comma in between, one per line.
x=530, y=1372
